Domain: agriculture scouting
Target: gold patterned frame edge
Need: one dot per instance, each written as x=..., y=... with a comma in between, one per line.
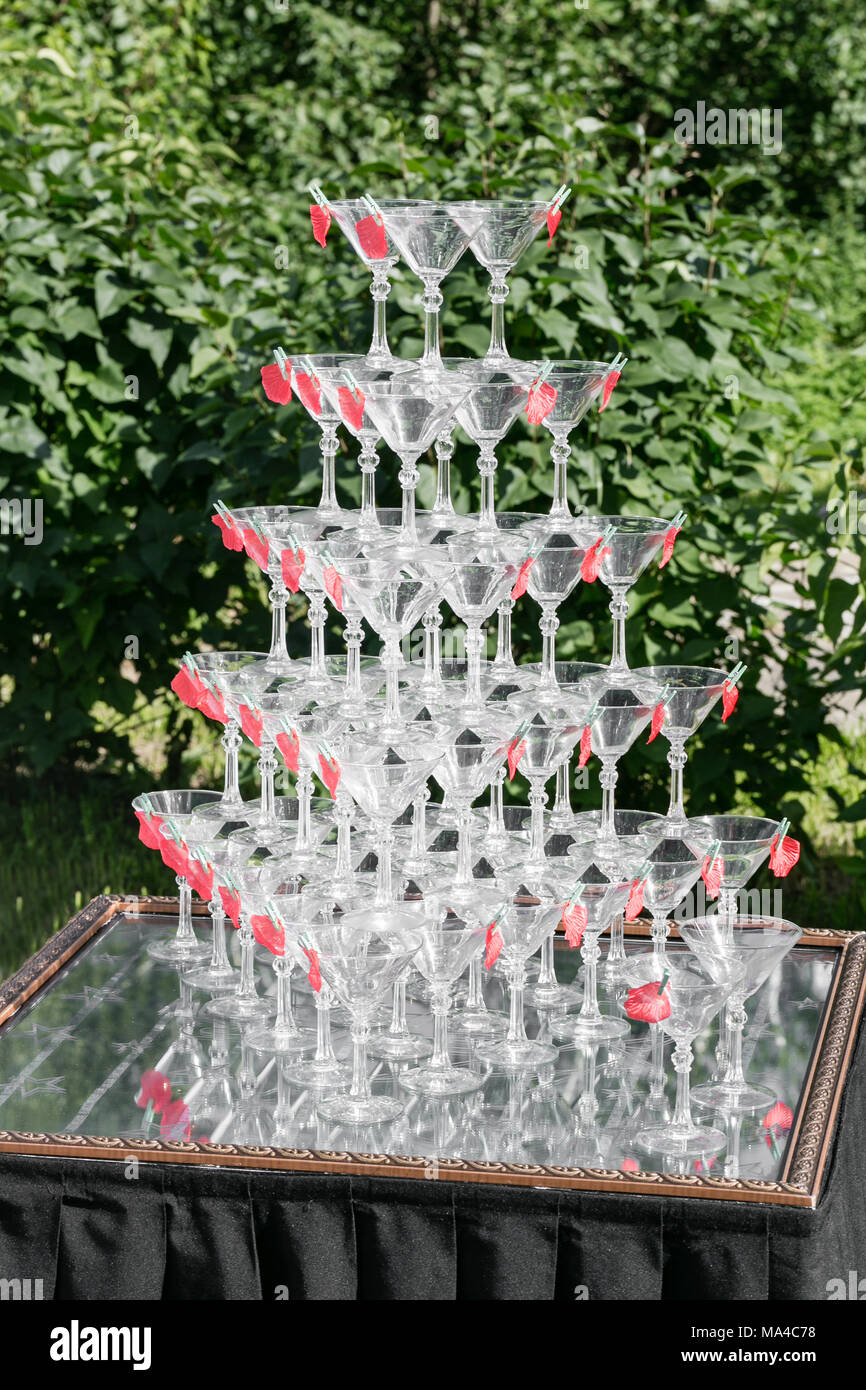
x=799, y=1185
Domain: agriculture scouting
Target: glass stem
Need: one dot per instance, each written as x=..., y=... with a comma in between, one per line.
x=464, y=845
x=432, y=622
x=475, y=998
x=432, y=301
x=328, y=449
x=504, y=660
x=496, y=812
x=418, y=856
x=677, y=759
x=497, y=292
x=549, y=624
x=487, y=470
x=440, y=1002
x=398, y=1027
x=343, y=813
x=360, y=1088
x=547, y=974
x=267, y=766
x=444, y=450
x=562, y=812
x=247, y=986
x=616, y=950
x=391, y=659
x=304, y=792
x=317, y=615
x=219, y=955
x=590, y=952
x=660, y=931
x=516, y=983
x=278, y=596
x=619, y=612
x=384, y=884
x=369, y=462
x=184, y=917
x=408, y=477
x=380, y=290
x=284, y=1021
x=657, y=1063
x=682, y=1060
x=608, y=778
x=537, y=803
x=353, y=635
x=324, y=1044
x=231, y=742
x=560, y=453
x=734, y=1078
x=473, y=663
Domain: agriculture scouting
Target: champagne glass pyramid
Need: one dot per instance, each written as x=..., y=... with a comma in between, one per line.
x=749, y=949
x=631, y=544
x=559, y=398
x=431, y=243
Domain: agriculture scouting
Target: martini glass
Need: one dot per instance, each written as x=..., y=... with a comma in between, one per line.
x=431, y=243
x=369, y=240
x=463, y=771
x=554, y=571
x=516, y=933
x=245, y=1005
x=486, y=415
x=750, y=949
x=361, y=958
x=576, y=386
x=480, y=577
x=694, y=997
x=307, y=386
x=635, y=831
x=619, y=713
x=569, y=676
x=593, y=903
x=447, y=945
x=540, y=745
x=629, y=549
x=693, y=690
x=478, y=906
x=283, y=1037
x=213, y=855
x=673, y=868
x=501, y=230
x=163, y=817
x=744, y=842
x=217, y=667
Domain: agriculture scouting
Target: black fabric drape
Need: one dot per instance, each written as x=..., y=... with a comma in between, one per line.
x=90, y=1230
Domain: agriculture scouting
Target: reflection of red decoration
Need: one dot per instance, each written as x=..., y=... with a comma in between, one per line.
x=371, y=237
x=647, y=1005
x=154, y=1090
x=175, y=1123
x=321, y=220
x=585, y=747
x=148, y=830
x=268, y=934
x=591, y=565
x=784, y=856
x=554, y=217
x=516, y=750
x=522, y=578
x=609, y=383
x=779, y=1116
x=333, y=587
x=231, y=902
x=629, y=1165
x=492, y=946
x=330, y=773
x=658, y=720
x=310, y=391
x=257, y=547
x=292, y=565
x=634, y=906
x=712, y=874
x=668, y=550
x=290, y=747
x=314, y=975
x=730, y=696
x=574, y=922
x=186, y=688
x=540, y=402
x=231, y=533
x=252, y=722
x=702, y=1167
x=352, y=406
x=278, y=388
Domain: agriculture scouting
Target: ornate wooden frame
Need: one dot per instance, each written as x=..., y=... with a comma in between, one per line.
x=799, y=1184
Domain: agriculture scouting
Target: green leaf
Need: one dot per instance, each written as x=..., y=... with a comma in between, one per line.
x=156, y=341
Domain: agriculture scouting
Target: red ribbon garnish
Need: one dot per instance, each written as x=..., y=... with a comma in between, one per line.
x=646, y=1005
x=252, y=721
x=712, y=874
x=634, y=906
x=290, y=746
x=187, y=687
x=585, y=747
x=232, y=535
x=231, y=902
x=175, y=1122
x=257, y=547
x=540, y=402
x=492, y=946
x=292, y=565
x=268, y=934
x=591, y=565
x=321, y=220
x=278, y=388
x=154, y=1090
x=314, y=974
x=784, y=856
x=333, y=587
x=371, y=235
x=310, y=391
x=352, y=406
x=148, y=830
x=330, y=773
x=658, y=720
x=174, y=855
x=730, y=696
x=574, y=920
x=554, y=217
x=523, y=577
x=516, y=751
x=201, y=878
x=609, y=383
x=668, y=550
x=779, y=1116
x=211, y=705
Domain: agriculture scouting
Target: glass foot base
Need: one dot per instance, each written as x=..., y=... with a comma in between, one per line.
x=694, y=1144
x=315, y=1074
x=280, y=1042
x=208, y=977
x=517, y=1055
x=553, y=996
x=374, y=1110
x=592, y=1029
x=673, y=827
x=441, y=1081
x=479, y=1025
x=733, y=1101
x=175, y=952
x=407, y=1048
x=239, y=1007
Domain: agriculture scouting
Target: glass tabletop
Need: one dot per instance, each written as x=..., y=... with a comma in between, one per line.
x=73, y=1058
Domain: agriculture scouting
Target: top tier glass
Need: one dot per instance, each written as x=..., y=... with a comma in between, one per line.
x=501, y=230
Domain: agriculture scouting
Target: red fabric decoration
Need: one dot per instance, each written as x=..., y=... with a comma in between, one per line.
x=670, y=537
x=658, y=720
x=554, y=217
x=278, y=388
x=187, y=688
x=540, y=402
x=609, y=383
x=310, y=391
x=333, y=586
x=314, y=974
x=712, y=875
x=154, y=1090
x=321, y=220
x=232, y=536
x=783, y=857
x=232, y=904
x=201, y=878
x=175, y=856
x=290, y=747
x=585, y=747
x=730, y=696
x=371, y=235
x=252, y=721
x=591, y=565
x=646, y=1005
x=268, y=934
x=634, y=906
x=256, y=548
x=175, y=1123
x=292, y=565
x=629, y=1165
x=330, y=773
x=211, y=704
x=148, y=830
x=574, y=921
x=492, y=946
x=352, y=406
x=516, y=751
x=523, y=577
x=779, y=1116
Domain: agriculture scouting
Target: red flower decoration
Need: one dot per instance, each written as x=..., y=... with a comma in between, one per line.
x=148, y=830
x=492, y=946
x=154, y=1090
x=278, y=388
x=232, y=536
x=257, y=548
x=211, y=704
x=314, y=975
x=372, y=238
x=175, y=1123
x=321, y=220
x=712, y=874
x=352, y=406
x=634, y=906
x=333, y=586
x=591, y=565
x=268, y=934
x=252, y=722
x=292, y=565
x=540, y=402
x=175, y=855
x=516, y=750
x=730, y=696
x=309, y=389
x=668, y=550
x=585, y=747
x=609, y=383
x=629, y=1165
x=784, y=856
x=330, y=773
x=574, y=920
x=201, y=878
x=554, y=217
x=523, y=577
x=290, y=747
x=779, y=1116
x=187, y=688
x=658, y=720
x=231, y=902
x=646, y=1005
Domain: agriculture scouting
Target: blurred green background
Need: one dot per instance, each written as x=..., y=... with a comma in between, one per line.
x=156, y=244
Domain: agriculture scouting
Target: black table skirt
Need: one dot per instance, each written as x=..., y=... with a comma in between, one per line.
x=88, y=1231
